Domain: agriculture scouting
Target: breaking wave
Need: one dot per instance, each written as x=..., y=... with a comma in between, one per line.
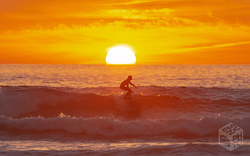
x=186, y=112
x=110, y=127
x=26, y=101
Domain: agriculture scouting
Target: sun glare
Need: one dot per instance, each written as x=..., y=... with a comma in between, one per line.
x=120, y=55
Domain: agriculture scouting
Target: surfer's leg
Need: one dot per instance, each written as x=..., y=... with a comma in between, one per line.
x=129, y=93
x=126, y=95
x=125, y=89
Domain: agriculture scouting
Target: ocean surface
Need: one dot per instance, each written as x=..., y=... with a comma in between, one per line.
x=80, y=109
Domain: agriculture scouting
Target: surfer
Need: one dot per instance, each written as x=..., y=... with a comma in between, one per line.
x=125, y=86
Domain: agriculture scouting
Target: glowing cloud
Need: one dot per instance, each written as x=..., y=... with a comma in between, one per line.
x=162, y=32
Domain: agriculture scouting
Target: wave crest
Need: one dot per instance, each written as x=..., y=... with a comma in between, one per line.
x=27, y=101
x=111, y=127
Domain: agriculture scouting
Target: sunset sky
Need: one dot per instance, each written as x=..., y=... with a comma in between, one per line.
x=160, y=32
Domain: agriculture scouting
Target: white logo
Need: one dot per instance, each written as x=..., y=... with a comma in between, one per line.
x=230, y=136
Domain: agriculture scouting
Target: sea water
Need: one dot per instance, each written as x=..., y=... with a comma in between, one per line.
x=79, y=109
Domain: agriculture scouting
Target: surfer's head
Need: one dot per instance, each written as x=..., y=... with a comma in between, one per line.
x=130, y=77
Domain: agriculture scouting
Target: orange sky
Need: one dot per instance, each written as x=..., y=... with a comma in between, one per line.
x=161, y=32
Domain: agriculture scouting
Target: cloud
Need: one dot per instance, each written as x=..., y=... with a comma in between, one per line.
x=234, y=54
x=17, y=14
x=81, y=30
x=212, y=45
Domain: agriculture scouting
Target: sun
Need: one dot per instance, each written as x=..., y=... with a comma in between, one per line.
x=120, y=55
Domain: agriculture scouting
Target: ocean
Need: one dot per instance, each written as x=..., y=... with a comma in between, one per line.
x=80, y=109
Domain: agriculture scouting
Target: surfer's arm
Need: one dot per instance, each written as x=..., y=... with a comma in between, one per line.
x=132, y=84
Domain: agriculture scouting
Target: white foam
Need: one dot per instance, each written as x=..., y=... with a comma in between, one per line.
x=114, y=127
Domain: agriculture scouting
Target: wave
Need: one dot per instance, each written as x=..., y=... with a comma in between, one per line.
x=113, y=127
x=28, y=101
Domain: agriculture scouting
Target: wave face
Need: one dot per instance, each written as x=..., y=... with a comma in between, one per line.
x=153, y=111
x=148, y=101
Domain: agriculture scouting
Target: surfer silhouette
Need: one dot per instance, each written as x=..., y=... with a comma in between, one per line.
x=125, y=86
